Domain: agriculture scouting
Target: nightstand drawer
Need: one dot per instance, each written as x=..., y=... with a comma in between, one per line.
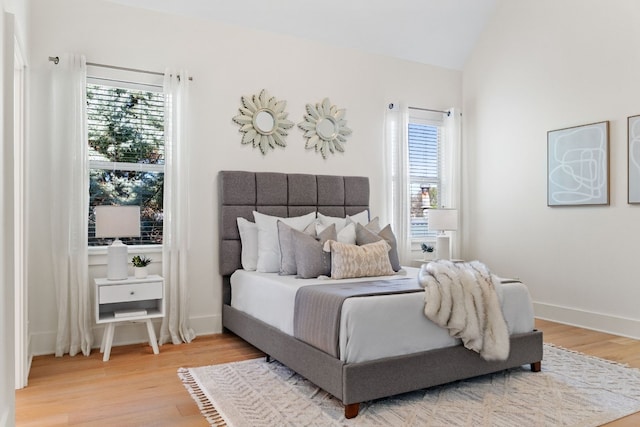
x=130, y=292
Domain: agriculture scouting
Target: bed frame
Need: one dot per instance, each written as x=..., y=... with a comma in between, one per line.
x=240, y=193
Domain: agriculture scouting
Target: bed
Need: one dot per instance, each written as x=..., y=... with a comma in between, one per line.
x=351, y=377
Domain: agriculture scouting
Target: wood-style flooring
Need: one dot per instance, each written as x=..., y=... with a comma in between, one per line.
x=137, y=388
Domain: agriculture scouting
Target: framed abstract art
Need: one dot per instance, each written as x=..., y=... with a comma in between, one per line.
x=633, y=168
x=578, y=165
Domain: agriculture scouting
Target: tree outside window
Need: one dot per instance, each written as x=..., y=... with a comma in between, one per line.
x=126, y=156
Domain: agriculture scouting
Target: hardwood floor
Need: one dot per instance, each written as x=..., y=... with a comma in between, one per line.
x=134, y=388
x=610, y=347
x=137, y=388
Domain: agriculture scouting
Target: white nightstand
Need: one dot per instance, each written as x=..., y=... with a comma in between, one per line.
x=128, y=300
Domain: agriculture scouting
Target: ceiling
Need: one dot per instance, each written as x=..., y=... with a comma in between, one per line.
x=436, y=32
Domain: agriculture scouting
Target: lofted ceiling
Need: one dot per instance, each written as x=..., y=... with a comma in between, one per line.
x=436, y=32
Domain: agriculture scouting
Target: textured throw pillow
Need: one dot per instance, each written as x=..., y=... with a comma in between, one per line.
x=268, y=246
x=349, y=261
x=340, y=223
x=287, y=249
x=365, y=236
x=311, y=260
x=249, y=240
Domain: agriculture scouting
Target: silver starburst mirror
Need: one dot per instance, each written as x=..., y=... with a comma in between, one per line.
x=263, y=121
x=325, y=128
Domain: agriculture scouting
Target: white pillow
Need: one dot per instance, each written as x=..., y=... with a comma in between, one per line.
x=325, y=221
x=249, y=238
x=360, y=218
x=268, y=245
x=373, y=225
x=346, y=235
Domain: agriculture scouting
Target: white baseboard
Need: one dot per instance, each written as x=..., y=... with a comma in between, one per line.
x=587, y=319
x=43, y=343
x=207, y=325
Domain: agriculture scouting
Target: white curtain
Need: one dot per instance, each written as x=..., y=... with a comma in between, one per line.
x=69, y=207
x=452, y=164
x=175, y=325
x=397, y=149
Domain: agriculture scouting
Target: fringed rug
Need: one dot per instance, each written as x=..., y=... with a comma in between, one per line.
x=573, y=389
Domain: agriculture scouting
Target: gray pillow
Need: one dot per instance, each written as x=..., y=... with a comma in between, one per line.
x=365, y=236
x=287, y=250
x=311, y=260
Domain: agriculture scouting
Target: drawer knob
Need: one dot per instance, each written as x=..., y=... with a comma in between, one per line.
x=132, y=293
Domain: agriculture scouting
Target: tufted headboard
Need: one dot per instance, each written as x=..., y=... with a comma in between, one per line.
x=279, y=194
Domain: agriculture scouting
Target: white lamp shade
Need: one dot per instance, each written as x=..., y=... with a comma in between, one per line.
x=442, y=219
x=117, y=221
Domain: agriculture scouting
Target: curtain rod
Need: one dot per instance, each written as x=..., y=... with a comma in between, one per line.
x=448, y=113
x=56, y=60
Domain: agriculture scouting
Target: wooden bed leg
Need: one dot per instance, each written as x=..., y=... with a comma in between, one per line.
x=351, y=410
x=536, y=366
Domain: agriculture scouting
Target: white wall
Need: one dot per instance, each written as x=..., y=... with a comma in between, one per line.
x=539, y=66
x=226, y=63
x=7, y=379
x=12, y=27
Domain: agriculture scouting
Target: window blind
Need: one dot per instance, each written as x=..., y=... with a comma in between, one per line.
x=424, y=140
x=126, y=154
x=125, y=125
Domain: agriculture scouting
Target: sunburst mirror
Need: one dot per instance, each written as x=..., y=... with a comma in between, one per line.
x=325, y=128
x=263, y=121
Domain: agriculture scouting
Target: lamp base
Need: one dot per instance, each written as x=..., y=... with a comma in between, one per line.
x=117, y=261
x=442, y=247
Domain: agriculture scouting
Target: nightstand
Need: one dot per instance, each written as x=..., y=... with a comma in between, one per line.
x=128, y=300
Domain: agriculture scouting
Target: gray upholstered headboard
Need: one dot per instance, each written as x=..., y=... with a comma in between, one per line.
x=279, y=194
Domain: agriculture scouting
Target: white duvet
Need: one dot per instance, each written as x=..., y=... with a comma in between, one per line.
x=370, y=327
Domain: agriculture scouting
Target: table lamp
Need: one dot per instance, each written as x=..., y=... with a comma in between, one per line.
x=442, y=220
x=116, y=222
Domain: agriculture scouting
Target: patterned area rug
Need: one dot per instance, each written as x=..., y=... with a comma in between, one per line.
x=572, y=390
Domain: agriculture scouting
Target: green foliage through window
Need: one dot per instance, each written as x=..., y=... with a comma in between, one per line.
x=126, y=156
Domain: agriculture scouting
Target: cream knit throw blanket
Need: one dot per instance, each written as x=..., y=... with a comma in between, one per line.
x=462, y=297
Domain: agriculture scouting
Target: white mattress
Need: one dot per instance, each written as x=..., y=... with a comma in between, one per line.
x=373, y=327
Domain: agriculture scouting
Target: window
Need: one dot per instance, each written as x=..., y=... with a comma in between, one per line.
x=424, y=140
x=126, y=154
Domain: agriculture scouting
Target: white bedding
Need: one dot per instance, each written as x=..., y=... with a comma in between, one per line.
x=372, y=327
